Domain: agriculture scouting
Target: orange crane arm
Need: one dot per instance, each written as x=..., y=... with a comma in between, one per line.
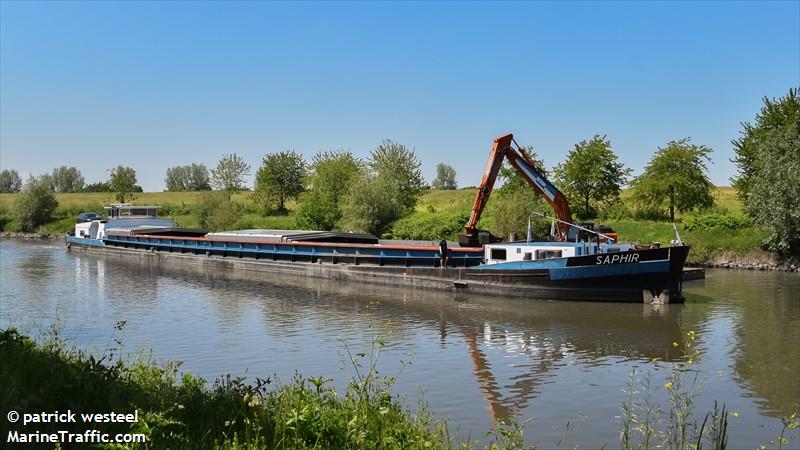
x=520, y=161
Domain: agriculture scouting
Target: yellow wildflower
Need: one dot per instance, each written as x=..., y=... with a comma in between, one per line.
x=668, y=385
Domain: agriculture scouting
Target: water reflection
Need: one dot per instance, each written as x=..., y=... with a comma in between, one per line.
x=766, y=356
x=542, y=336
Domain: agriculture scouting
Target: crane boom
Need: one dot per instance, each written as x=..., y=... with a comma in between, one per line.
x=522, y=163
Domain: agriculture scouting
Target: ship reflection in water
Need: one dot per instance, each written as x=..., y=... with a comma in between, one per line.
x=476, y=360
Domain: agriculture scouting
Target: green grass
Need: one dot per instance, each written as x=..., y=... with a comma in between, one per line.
x=448, y=201
x=181, y=411
x=726, y=197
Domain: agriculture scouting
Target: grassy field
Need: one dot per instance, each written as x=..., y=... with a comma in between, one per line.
x=179, y=206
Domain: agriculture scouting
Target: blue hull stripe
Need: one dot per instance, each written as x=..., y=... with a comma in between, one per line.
x=608, y=270
x=84, y=241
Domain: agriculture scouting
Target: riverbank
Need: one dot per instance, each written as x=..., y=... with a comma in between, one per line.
x=167, y=409
x=30, y=236
x=175, y=410
x=752, y=260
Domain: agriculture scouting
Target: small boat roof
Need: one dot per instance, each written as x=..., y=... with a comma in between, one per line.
x=129, y=206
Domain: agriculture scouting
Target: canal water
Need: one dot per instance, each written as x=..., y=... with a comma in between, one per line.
x=473, y=360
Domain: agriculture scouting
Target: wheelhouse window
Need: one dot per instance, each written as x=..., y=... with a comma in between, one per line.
x=498, y=254
x=548, y=254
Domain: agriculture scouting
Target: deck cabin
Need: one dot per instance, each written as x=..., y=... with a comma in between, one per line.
x=122, y=216
x=534, y=251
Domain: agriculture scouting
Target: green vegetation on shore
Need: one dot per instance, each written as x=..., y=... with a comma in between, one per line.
x=181, y=411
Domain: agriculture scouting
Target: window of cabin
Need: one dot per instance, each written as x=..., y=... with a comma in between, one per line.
x=528, y=256
x=498, y=253
x=548, y=254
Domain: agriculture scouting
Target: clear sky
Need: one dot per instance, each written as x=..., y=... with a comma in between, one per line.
x=154, y=84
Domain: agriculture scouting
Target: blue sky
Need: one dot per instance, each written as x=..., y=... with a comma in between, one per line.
x=155, y=84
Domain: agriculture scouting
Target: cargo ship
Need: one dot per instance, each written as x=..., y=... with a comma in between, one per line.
x=582, y=262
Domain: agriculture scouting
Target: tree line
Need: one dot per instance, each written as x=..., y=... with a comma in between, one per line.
x=337, y=190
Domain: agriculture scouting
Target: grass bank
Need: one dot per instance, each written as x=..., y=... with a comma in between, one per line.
x=438, y=211
x=181, y=411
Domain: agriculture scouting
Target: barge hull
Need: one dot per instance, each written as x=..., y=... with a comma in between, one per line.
x=665, y=287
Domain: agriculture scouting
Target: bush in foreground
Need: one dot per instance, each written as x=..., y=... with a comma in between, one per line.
x=180, y=412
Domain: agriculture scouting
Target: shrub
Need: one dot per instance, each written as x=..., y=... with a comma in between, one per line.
x=370, y=206
x=174, y=210
x=35, y=204
x=430, y=226
x=318, y=211
x=645, y=213
x=715, y=221
x=216, y=211
x=616, y=211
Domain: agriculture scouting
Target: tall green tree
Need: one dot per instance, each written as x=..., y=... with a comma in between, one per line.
x=176, y=179
x=777, y=115
x=445, y=177
x=390, y=189
x=123, y=182
x=331, y=175
x=675, y=179
x=279, y=179
x=398, y=167
x=198, y=178
x=192, y=177
x=591, y=175
x=67, y=179
x=229, y=173
x=768, y=158
x=10, y=181
x=35, y=204
x=47, y=179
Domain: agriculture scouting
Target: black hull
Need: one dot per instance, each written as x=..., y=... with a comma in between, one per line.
x=534, y=284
